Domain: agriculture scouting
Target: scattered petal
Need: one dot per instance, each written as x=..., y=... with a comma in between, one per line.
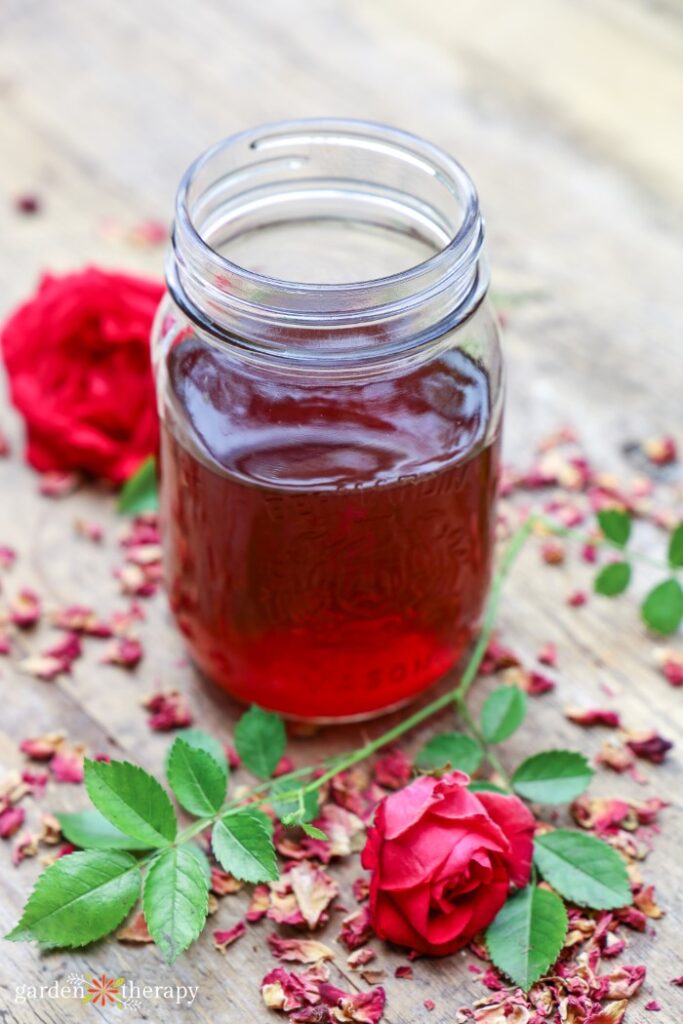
x=593, y=716
x=136, y=931
x=169, y=711
x=223, y=939
x=303, y=951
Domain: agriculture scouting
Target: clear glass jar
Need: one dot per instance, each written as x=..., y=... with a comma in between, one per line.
x=330, y=388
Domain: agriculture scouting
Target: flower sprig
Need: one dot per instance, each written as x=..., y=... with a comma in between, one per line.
x=131, y=844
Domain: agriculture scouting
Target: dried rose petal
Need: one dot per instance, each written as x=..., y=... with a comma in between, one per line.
x=67, y=650
x=577, y=599
x=36, y=780
x=50, y=831
x=124, y=651
x=649, y=745
x=496, y=658
x=360, y=957
x=361, y=889
x=169, y=711
x=661, y=451
x=27, y=846
x=42, y=666
x=653, y=1005
x=404, y=971
x=303, y=951
x=394, y=770
x=58, y=483
x=258, y=904
x=625, y=981
x=553, y=552
x=287, y=991
x=644, y=899
x=223, y=883
x=136, y=931
x=11, y=820
x=592, y=716
x=344, y=829
x=313, y=890
x=67, y=764
x=359, y=1007
x=28, y=203
x=223, y=939
x=76, y=618
x=619, y=759
x=429, y=1004
x=89, y=529
x=148, y=233
x=547, y=655
x=25, y=609
x=8, y=556
x=43, y=748
x=356, y=929
x=284, y=766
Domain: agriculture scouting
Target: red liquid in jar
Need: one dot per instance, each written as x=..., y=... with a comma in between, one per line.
x=327, y=547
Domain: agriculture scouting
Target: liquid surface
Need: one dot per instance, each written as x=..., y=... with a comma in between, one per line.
x=328, y=548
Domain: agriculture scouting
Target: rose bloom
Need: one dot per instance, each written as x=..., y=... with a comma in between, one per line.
x=442, y=860
x=78, y=360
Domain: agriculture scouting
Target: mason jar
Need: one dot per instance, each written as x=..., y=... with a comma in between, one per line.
x=330, y=389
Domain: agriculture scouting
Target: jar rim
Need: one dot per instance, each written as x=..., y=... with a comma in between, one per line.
x=432, y=159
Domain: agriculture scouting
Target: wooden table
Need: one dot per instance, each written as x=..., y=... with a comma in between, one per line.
x=568, y=116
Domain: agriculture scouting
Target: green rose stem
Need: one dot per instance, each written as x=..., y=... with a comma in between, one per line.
x=455, y=696
x=489, y=753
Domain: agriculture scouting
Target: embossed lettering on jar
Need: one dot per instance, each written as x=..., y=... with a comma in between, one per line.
x=330, y=388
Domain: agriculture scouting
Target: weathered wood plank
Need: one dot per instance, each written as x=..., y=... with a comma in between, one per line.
x=567, y=116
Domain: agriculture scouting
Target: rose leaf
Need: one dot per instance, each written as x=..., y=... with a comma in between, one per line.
x=552, y=777
x=175, y=899
x=79, y=898
x=260, y=739
x=613, y=579
x=527, y=935
x=502, y=713
x=583, y=869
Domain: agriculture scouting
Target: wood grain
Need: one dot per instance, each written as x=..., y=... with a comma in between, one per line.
x=567, y=115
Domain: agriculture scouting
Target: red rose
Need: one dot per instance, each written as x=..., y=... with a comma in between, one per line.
x=442, y=860
x=78, y=360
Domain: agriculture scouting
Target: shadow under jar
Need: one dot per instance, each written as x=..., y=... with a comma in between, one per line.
x=330, y=388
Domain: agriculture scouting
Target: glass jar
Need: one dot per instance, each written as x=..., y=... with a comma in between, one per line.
x=330, y=390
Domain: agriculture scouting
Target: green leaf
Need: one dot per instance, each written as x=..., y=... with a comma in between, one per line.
x=527, y=935
x=79, y=898
x=198, y=781
x=202, y=860
x=663, y=607
x=313, y=832
x=553, y=776
x=303, y=811
x=450, y=748
x=131, y=799
x=140, y=493
x=613, y=579
x=583, y=869
x=676, y=548
x=260, y=739
x=175, y=900
x=502, y=713
x=243, y=845
x=91, y=831
x=615, y=523
x=201, y=740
